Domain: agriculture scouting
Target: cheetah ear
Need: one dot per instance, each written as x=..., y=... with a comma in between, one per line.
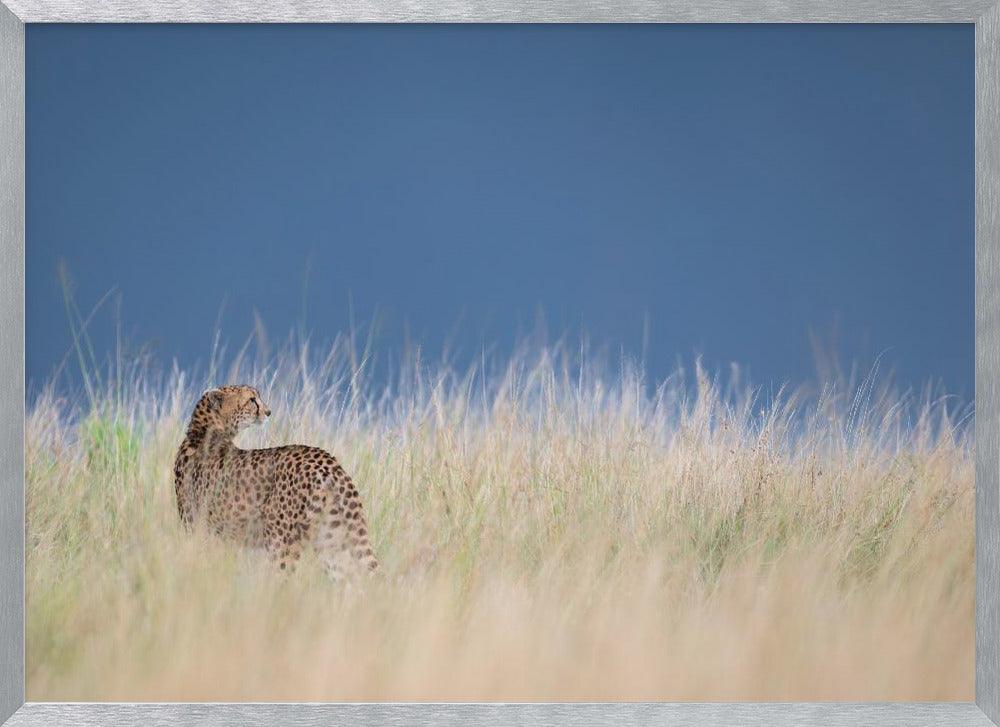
x=213, y=398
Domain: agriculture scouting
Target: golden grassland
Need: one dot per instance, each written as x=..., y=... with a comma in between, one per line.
x=547, y=533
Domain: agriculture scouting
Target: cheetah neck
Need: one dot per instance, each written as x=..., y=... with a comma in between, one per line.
x=210, y=437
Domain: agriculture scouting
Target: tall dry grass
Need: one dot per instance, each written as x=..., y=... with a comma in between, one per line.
x=548, y=531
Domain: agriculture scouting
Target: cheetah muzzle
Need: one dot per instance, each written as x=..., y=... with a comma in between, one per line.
x=280, y=498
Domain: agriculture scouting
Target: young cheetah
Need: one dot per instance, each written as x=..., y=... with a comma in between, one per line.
x=279, y=498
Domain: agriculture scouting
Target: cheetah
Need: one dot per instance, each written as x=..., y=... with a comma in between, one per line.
x=279, y=499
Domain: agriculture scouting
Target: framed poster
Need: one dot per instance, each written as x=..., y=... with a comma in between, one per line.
x=667, y=490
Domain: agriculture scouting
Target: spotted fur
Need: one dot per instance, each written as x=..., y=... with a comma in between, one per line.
x=280, y=498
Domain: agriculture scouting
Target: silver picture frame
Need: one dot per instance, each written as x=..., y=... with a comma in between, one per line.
x=985, y=14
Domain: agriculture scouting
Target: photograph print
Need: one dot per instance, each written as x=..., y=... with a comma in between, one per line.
x=499, y=363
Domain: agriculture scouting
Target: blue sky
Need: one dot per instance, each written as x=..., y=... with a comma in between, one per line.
x=734, y=186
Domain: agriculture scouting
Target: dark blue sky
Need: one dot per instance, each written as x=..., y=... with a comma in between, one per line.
x=738, y=185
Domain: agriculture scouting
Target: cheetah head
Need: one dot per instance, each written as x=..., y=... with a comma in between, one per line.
x=233, y=408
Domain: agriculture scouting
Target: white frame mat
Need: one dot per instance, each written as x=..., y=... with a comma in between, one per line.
x=986, y=16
